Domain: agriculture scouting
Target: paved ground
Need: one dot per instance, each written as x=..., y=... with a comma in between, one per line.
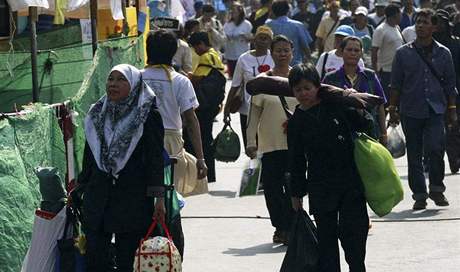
x=225, y=233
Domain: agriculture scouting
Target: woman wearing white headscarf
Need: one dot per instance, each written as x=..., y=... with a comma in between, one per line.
x=122, y=169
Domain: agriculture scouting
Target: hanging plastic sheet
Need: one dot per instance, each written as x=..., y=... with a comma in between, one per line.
x=117, y=9
x=16, y=5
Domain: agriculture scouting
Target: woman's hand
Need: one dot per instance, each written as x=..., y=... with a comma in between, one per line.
x=160, y=209
x=251, y=151
x=202, y=169
x=297, y=203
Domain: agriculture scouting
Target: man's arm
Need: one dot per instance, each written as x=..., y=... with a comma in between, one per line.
x=374, y=58
x=193, y=130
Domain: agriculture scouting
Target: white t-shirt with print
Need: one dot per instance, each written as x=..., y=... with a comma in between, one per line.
x=333, y=62
x=245, y=70
x=173, y=97
x=387, y=39
x=235, y=44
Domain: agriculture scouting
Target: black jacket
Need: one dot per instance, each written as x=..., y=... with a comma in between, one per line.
x=125, y=204
x=320, y=143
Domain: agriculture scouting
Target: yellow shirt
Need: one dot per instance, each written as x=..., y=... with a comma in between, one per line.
x=209, y=60
x=325, y=27
x=266, y=118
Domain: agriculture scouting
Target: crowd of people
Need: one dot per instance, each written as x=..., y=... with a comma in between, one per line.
x=405, y=53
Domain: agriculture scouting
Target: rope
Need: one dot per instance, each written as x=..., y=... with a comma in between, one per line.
x=10, y=43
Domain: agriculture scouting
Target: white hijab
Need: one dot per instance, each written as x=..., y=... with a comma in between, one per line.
x=113, y=129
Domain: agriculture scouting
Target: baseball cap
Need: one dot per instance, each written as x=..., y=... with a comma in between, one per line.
x=344, y=30
x=381, y=3
x=361, y=10
x=264, y=30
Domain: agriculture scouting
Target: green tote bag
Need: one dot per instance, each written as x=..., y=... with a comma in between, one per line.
x=383, y=189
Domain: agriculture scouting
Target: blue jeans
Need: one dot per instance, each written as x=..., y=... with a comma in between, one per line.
x=425, y=137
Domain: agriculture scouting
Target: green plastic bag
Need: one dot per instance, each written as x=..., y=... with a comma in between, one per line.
x=382, y=185
x=227, y=145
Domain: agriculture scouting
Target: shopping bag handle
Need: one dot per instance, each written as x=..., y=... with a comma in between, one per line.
x=152, y=227
x=149, y=232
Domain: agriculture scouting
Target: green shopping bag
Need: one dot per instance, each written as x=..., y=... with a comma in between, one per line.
x=382, y=185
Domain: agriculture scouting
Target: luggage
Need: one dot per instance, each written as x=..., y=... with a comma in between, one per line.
x=382, y=185
x=302, y=252
x=227, y=145
x=396, y=143
x=157, y=254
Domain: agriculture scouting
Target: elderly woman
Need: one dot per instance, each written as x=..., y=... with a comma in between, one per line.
x=320, y=136
x=122, y=173
x=249, y=65
x=266, y=135
x=351, y=75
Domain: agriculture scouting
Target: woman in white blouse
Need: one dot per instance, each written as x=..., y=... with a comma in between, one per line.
x=238, y=33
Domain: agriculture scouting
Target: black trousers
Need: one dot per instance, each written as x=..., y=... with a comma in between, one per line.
x=206, y=120
x=349, y=222
x=244, y=126
x=425, y=137
x=274, y=166
x=102, y=257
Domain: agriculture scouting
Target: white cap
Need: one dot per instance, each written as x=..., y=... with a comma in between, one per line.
x=361, y=10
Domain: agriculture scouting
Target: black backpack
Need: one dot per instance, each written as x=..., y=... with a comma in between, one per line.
x=210, y=91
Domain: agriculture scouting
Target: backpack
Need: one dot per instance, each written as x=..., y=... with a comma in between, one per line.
x=227, y=145
x=210, y=91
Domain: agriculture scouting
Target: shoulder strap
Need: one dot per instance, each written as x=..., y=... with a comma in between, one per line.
x=332, y=28
x=323, y=69
x=402, y=36
x=285, y=107
x=430, y=65
x=369, y=77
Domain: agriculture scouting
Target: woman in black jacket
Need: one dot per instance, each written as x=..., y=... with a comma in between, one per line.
x=320, y=143
x=122, y=171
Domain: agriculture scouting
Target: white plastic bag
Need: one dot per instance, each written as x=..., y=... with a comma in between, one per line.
x=41, y=256
x=396, y=143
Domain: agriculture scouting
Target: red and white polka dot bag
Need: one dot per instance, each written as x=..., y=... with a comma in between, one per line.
x=157, y=254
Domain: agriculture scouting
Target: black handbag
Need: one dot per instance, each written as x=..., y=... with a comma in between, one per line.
x=69, y=258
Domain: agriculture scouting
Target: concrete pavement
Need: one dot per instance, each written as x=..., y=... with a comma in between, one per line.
x=224, y=233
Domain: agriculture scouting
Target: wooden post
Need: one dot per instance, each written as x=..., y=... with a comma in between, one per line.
x=93, y=15
x=33, y=17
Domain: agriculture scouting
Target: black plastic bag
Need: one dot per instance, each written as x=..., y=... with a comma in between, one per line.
x=396, y=144
x=302, y=252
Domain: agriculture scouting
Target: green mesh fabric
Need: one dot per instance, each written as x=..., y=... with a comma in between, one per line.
x=34, y=139
x=26, y=141
x=60, y=75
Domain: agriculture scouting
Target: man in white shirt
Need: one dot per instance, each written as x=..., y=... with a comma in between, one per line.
x=210, y=24
x=332, y=60
x=387, y=38
x=378, y=17
x=326, y=28
x=176, y=100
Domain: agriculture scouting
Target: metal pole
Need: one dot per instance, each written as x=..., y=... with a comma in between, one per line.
x=138, y=10
x=93, y=15
x=33, y=16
